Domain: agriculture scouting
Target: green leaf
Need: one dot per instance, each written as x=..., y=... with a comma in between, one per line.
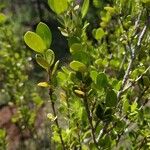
x=126, y=105
x=81, y=56
x=76, y=47
x=3, y=18
x=111, y=98
x=97, y=3
x=55, y=67
x=61, y=78
x=35, y=42
x=146, y=81
x=58, y=6
x=146, y=1
x=99, y=111
x=42, y=62
x=93, y=75
x=2, y=133
x=45, y=33
x=101, y=81
x=85, y=8
x=99, y=34
x=134, y=106
x=111, y=10
x=77, y=66
x=49, y=57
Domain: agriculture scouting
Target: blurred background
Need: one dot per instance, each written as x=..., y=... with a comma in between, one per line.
x=23, y=106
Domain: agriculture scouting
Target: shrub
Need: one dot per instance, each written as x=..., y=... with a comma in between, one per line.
x=15, y=91
x=100, y=100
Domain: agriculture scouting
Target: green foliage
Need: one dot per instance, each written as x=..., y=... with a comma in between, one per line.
x=111, y=99
x=41, y=61
x=58, y=6
x=2, y=139
x=35, y=42
x=3, y=18
x=16, y=91
x=44, y=32
x=101, y=81
x=102, y=94
x=77, y=66
x=98, y=33
x=84, y=8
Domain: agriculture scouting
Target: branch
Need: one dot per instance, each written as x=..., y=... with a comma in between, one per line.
x=133, y=82
x=141, y=36
x=54, y=111
x=90, y=119
x=126, y=76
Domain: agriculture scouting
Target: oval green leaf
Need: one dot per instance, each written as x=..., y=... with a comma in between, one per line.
x=101, y=80
x=81, y=56
x=35, y=42
x=76, y=47
x=45, y=33
x=49, y=57
x=111, y=98
x=77, y=66
x=99, y=33
x=42, y=62
x=58, y=6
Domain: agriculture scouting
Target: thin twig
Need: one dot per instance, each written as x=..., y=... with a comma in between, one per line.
x=56, y=120
x=141, y=35
x=103, y=132
x=90, y=119
x=134, y=82
x=142, y=143
x=54, y=111
x=125, y=78
x=133, y=50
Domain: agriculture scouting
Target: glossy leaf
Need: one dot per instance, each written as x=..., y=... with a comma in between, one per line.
x=99, y=34
x=45, y=33
x=77, y=66
x=49, y=57
x=35, y=42
x=42, y=62
x=85, y=8
x=58, y=6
